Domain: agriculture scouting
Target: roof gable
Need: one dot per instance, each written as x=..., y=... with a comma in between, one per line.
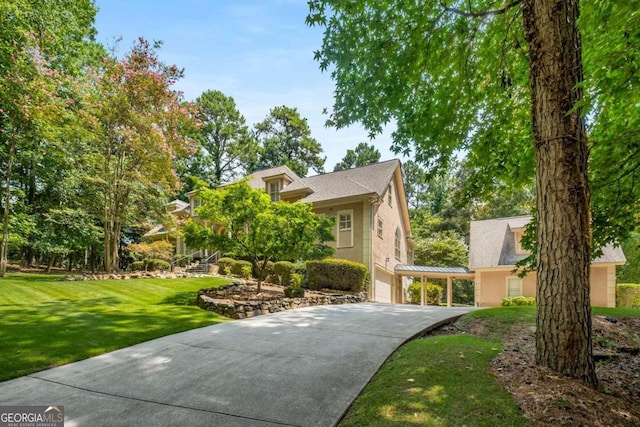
x=492, y=244
x=360, y=181
x=257, y=179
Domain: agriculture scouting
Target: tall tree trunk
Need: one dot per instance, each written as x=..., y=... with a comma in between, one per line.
x=52, y=261
x=563, y=335
x=4, y=245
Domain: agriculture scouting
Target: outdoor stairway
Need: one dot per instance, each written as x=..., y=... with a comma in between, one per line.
x=197, y=267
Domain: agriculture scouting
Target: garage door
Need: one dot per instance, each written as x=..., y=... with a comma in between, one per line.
x=383, y=288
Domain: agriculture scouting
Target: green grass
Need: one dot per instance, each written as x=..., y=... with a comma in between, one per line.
x=437, y=381
x=616, y=312
x=46, y=322
x=445, y=380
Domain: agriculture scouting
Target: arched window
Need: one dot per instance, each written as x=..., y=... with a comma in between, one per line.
x=397, y=243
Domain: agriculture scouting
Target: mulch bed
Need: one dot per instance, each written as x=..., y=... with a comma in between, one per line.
x=550, y=399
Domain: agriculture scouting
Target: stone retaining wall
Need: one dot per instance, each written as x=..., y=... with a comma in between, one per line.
x=132, y=275
x=245, y=308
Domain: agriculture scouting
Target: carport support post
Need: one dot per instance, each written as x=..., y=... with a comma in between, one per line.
x=421, y=290
x=449, y=290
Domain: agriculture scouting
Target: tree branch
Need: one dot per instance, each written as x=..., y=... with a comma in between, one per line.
x=483, y=14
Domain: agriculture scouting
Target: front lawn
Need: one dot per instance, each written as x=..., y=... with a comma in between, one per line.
x=447, y=380
x=437, y=381
x=47, y=322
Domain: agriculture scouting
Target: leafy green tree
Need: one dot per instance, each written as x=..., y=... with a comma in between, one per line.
x=443, y=249
x=140, y=128
x=253, y=226
x=415, y=182
x=225, y=145
x=66, y=232
x=503, y=80
x=285, y=139
x=611, y=60
x=41, y=44
x=364, y=154
x=630, y=272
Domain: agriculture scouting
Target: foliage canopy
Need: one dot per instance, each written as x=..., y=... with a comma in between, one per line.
x=247, y=223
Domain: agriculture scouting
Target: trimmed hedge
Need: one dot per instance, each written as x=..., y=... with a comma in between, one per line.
x=518, y=301
x=337, y=274
x=224, y=265
x=150, y=264
x=241, y=268
x=282, y=271
x=628, y=295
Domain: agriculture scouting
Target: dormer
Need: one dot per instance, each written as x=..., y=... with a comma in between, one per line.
x=517, y=239
x=194, y=202
x=274, y=184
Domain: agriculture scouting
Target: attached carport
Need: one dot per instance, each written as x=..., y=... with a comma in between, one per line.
x=426, y=272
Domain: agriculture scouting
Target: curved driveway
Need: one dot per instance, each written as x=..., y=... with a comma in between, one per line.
x=294, y=368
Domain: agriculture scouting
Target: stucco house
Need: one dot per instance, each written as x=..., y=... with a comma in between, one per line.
x=495, y=248
x=371, y=216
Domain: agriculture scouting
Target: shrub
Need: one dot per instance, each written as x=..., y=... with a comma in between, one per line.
x=434, y=294
x=246, y=271
x=518, y=301
x=224, y=265
x=153, y=264
x=241, y=268
x=628, y=295
x=291, y=292
x=338, y=274
x=301, y=269
x=283, y=271
x=414, y=292
x=296, y=281
x=137, y=266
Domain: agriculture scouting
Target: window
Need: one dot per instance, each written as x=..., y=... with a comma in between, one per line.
x=397, y=243
x=274, y=191
x=344, y=236
x=514, y=286
x=517, y=235
x=344, y=221
x=196, y=204
x=390, y=194
x=409, y=256
x=380, y=225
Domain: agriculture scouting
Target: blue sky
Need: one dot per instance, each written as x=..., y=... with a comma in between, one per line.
x=260, y=52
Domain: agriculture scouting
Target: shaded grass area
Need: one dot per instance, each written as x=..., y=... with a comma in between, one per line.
x=437, y=381
x=445, y=380
x=46, y=322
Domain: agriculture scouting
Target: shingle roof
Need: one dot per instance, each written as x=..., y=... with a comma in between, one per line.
x=491, y=244
x=179, y=204
x=360, y=181
x=158, y=229
x=256, y=179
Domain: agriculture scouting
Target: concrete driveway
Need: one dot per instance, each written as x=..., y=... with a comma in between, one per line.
x=295, y=368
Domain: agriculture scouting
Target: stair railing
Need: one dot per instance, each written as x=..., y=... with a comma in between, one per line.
x=176, y=259
x=211, y=259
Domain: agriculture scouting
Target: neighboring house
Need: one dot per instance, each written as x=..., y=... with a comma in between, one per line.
x=180, y=211
x=494, y=249
x=371, y=216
